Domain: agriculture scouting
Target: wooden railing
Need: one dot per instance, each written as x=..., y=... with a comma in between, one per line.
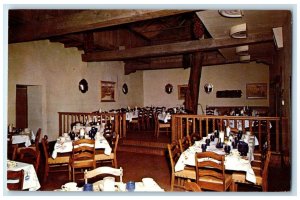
x=183, y=125
x=118, y=120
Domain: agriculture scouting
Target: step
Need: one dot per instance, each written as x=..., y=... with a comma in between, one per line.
x=144, y=143
x=142, y=149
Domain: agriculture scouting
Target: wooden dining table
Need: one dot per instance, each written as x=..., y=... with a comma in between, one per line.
x=233, y=161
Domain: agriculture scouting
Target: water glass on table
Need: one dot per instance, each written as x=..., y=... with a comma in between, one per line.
x=88, y=187
x=130, y=186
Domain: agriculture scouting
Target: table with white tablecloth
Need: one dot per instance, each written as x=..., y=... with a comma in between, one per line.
x=31, y=181
x=23, y=137
x=164, y=116
x=65, y=145
x=233, y=161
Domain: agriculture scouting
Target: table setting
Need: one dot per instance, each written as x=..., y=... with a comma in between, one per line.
x=108, y=184
x=31, y=181
x=235, y=159
x=64, y=144
x=23, y=136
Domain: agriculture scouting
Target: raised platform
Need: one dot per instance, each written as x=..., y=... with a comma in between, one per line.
x=144, y=142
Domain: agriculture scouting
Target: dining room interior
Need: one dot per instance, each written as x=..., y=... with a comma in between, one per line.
x=152, y=92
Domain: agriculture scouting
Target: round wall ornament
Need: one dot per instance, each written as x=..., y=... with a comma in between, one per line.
x=169, y=88
x=83, y=86
x=125, y=88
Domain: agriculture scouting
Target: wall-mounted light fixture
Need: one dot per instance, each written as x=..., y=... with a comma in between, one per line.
x=83, y=86
x=239, y=31
x=208, y=88
x=169, y=88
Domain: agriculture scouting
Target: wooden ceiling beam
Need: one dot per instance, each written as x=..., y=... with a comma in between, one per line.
x=82, y=21
x=174, y=48
x=131, y=66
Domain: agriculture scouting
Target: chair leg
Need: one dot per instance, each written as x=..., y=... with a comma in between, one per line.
x=233, y=187
x=70, y=172
x=172, y=183
x=46, y=172
x=115, y=165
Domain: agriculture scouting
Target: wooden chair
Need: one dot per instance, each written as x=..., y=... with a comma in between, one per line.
x=160, y=125
x=194, y=137
x=210, y=172
x=59, y=164
x=118, y=172
x=113, y=140
x=83, y=156
x=31, y=156
x=11, y=148
x=192, y=187
x=261, y=175
x=16, y=179
x=184, y=143
x=183, y=175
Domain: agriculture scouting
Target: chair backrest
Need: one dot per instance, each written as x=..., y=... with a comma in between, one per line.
x=103, y=170
x=16, y=180
x=194, y=137
x=11, y=148
x=45, y=145
x=184, y=143
x=210, y=166
x=174, y=153
x=29, y=155
x=83, y=149
x=113, y=140
x=37, y=138
x=265, y=171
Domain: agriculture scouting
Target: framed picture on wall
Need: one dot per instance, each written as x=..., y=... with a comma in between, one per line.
x=107, y=91
x=256, y=90
x=181, y=91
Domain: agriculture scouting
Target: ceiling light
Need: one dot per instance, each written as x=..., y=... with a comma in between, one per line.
x=242, y=50
x=231, y=13
x=245, y=58
x=239, y=31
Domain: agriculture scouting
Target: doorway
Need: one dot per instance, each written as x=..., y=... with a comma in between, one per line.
x=29, y=106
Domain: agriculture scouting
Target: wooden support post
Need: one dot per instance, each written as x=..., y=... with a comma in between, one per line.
x=192, y=94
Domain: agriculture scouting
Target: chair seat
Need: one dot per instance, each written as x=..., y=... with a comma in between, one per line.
x=228, y=180
x=59, y=160
x=240, y=177
x=104, y=156
x=186, y=173
x=164, y=125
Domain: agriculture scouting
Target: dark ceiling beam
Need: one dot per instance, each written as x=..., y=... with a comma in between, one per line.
x=132, y=66
x=174, y=48
x=82, y=21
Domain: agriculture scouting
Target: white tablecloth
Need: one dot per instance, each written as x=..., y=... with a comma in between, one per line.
x=18, y=139
x=66, y=146
x=232, y=161
x=31, y=180
x=164, y=117
x=131, y=115
x=239, y=124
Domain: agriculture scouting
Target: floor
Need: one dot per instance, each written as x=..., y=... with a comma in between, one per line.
x=137, y=166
